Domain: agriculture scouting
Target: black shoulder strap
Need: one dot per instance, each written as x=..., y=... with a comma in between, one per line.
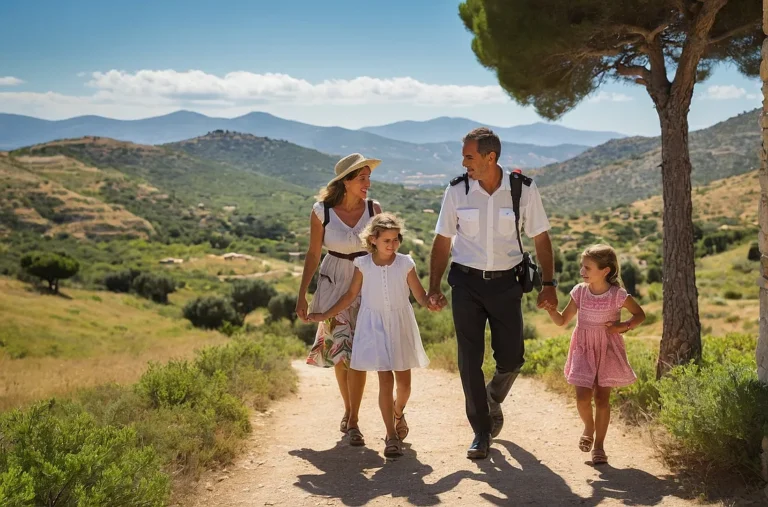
x=370, y=207
x=516, y=182
x=327, y=215
x=458, y=179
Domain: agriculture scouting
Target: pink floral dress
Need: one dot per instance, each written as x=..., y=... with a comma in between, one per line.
x=596, y=357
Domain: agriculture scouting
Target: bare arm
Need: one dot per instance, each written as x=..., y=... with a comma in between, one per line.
x=562, y=319
x=548, y=296
x=345, y=301
x=438, y=261
x=311, y=260
x=638, y=316
x=417, y=289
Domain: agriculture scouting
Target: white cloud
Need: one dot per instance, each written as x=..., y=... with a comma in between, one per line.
x=603, y=96
x=10, y=81
x=725, y=92
x=281, y=88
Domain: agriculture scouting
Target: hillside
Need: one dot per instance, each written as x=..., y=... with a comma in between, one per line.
x=445, y=128
x=435, y=161
x=626, y=170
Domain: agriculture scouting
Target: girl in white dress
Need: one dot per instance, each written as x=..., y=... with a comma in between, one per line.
x=387, y=336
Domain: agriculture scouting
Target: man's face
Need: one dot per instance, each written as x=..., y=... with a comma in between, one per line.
x=478, y=166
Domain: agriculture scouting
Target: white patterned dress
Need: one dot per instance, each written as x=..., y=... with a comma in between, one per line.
x=333, y=340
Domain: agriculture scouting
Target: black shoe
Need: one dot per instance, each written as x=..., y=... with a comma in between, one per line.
x=479, y=447
x=497, y=416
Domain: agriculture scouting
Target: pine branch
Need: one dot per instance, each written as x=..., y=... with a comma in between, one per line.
x=752, y=25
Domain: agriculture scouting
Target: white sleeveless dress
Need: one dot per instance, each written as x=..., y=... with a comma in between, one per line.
x=387, y=336
x=333, y=340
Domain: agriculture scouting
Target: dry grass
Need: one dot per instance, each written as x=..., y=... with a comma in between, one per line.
x=89, y=338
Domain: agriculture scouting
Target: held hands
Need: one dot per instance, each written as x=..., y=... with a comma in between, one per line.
x=547, y=299
x=436, y=301
x=301, y=308
x=316, y=317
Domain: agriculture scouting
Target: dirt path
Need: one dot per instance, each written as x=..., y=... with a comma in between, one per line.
x=297, y=456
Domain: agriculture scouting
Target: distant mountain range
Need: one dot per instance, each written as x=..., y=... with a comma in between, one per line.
x=404, y=162
x=445, y=128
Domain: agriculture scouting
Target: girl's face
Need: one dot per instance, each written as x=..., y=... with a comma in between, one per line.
x=359, y=185
x=387, y=242
x=591, y=273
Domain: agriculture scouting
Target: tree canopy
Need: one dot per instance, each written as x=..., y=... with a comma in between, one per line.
x=551, y=54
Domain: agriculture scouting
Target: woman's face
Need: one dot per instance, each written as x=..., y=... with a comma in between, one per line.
x=359, y=185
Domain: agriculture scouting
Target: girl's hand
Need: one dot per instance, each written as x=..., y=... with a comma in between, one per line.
x=316, y=317
x=301, y=308
x=617, y=327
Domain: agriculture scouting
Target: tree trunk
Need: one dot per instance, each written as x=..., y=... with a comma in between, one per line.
x=762, y=343
x=681, y=338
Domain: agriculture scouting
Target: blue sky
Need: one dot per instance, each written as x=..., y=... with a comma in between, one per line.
x=348, y=63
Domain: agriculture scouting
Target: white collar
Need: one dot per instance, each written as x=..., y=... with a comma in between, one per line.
x=475, y=184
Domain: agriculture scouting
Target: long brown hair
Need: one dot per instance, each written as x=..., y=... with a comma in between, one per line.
x=333, y=193
x=605, y=257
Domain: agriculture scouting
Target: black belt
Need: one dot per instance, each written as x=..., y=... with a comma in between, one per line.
x=485, y=275
x=348, y=257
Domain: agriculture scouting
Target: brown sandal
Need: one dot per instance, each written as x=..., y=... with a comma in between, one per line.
x=343, y=425
x=401, y=425
x=393, y=447
x=585, y=443
x=355, y=437
x=599, y=457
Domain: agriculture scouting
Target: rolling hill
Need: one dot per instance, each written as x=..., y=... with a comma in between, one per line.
x=424, y=163
x=627, y=170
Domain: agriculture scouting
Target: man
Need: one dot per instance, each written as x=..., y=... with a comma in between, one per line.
x=477, y=227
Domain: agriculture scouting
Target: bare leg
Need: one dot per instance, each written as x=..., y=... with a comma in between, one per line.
x=584, y=406
x=356, y=383
x=403, y=380
x=386, y=404
x=341, y=377
x=602, y=414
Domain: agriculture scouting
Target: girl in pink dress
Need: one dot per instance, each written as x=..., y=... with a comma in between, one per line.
x=597, y=359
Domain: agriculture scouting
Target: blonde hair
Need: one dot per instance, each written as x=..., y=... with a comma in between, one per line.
x=333, y=193
x=381, y=222
x=605, y=257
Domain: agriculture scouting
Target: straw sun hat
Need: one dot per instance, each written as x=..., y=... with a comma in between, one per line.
x=352, y=163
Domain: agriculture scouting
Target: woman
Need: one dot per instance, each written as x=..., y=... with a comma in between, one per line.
x=341, y=213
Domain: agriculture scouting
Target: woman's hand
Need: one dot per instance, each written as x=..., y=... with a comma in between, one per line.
x=301, y=308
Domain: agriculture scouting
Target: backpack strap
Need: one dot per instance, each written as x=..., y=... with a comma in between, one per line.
x=326, y=215
x=516, y=182
x=458, y=179
x=370, y=207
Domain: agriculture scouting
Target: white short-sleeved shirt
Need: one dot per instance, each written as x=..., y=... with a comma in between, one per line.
x=483, y=226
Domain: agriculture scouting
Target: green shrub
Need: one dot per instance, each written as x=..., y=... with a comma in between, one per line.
x=434, y=327
x=210, y=312
x=58, y=455
x=631, y=277
x=744, y=266
x=719, y=412
x=529, y=331
x=283, y=306
x=655, y=274
x=154, y=286
x=306, y=332
x=174, y=383
x=732, y=294
x=121, y=281
x=754, y=252
x=247, y=295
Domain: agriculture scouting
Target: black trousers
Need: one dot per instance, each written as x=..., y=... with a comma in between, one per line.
x=476, y=302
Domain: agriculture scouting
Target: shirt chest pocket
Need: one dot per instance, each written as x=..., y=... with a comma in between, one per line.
x=469, y=221
x=506, y=221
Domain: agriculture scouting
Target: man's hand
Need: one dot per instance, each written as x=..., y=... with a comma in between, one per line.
x=437, y=301
x=547, y=298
